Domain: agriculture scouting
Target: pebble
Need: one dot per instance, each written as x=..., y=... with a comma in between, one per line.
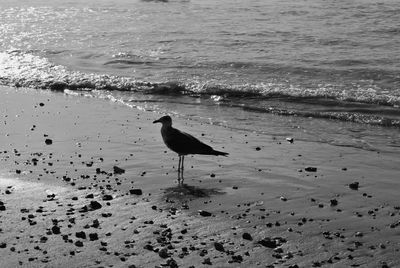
x=163, y=253
x=79, y=243
x=218, y=246
x=55, y=229
x=107, y=197
x=310, y=169
x=81, y=235
x=93, y=236
x=118, y=170
x=204, y=213
x=136, y=191
x=247, y=236
x=354, y=185
x=268, y=242
x=95, y=205
x=48, y=141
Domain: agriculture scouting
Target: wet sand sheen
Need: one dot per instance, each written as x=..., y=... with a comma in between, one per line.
x=102, y=191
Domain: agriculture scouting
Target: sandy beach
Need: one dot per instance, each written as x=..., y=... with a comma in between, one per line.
x=87, y=182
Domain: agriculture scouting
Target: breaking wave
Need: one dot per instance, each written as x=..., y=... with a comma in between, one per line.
x=20, y=69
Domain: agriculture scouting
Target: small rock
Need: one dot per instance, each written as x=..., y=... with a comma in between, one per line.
x=48, y=141
x=136, y=191
x=163, y=253
x=354, y=185
x=94, y=205
x=218, y=246
x=311, y=169
x=237, y=258
x=359, y=234
x=247, y=236
x=107, y=197
x=334, y=202
x=207, y=261
x=81, y=235
x=204, y=213
x=93, y=237
x=118, y=170
x=268, y=242
x=149, y=247
x=55, y=229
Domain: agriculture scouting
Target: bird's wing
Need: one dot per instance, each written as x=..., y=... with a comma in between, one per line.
x=184, y=143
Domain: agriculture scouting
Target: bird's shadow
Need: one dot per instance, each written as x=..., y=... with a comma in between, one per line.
x=184, y=191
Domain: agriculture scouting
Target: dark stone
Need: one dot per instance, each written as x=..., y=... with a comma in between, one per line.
x=118, y=170
x=207, y=261
x=107, y=197
x=96, y=223
x=55, y=229
x=3, y=245
x=354, y=185
x=218, y=246
x=237, y=258
x=310, y=169
x=93, y=237
x=268, y=242
x=204, y=213
x=172, y=263
x=247, y=236
x=149, y=247
x=334, y=202
x=272, y=242
x=136, y=191
x=94, y=205
x=79, y=243
x=48, y=141
x=163, y=253
x=81, y=235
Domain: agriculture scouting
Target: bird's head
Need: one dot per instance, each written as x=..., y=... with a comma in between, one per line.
x=165, y=120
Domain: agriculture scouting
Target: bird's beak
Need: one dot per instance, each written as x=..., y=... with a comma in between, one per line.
x=156, y=121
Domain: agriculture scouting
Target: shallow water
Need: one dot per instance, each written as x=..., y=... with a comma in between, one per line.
x=315, y=70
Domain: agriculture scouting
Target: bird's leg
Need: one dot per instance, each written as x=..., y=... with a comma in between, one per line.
x=183, y=158
x=179, y=169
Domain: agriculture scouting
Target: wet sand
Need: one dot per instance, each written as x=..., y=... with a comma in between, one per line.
x=89, y=183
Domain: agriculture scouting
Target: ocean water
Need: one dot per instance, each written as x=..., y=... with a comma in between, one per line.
x=316, y=70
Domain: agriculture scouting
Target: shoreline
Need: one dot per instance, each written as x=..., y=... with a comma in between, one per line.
x=266, y=209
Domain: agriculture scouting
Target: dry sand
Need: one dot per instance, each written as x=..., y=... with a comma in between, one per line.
x=62, y=203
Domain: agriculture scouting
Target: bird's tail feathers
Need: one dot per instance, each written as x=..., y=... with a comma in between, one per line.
x=220, y=153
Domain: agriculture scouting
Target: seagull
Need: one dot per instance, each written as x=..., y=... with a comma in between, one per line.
x=183, y=143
